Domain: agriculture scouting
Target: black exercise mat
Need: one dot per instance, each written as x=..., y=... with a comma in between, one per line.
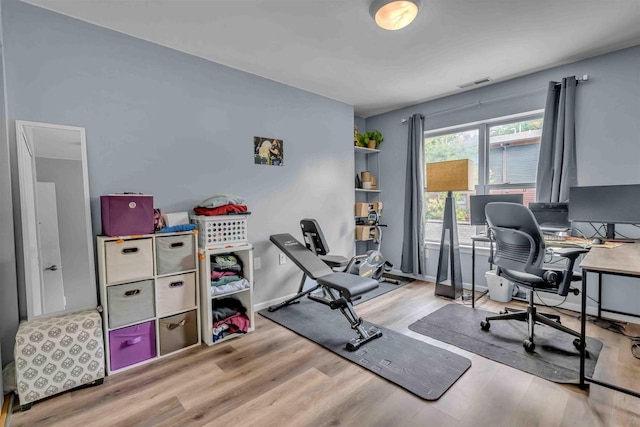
x=423, y=369
x=555, y=358
x=383, y=288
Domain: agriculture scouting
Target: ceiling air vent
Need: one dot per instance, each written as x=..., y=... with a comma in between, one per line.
x=475, y=83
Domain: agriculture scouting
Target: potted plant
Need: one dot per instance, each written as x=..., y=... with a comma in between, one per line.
x=371, y=139
x=374, y=138
x=360, y=140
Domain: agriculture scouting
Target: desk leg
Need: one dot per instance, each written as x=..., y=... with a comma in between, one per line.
x=473, y=274
x=599, y=295
x=583, y=328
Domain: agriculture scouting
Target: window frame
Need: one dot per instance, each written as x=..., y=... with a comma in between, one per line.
x=539, y=114
x=483, y=127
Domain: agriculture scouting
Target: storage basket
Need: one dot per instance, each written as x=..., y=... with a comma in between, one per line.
x=175, y=254
x=500, y=289
x=216, y=231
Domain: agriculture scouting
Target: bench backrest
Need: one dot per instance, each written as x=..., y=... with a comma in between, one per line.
x=308, y=262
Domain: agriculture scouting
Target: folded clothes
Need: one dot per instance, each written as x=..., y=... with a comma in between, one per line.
x=231, y=303
x=230, y=287
x=220, y=210
x=215, y=275
x=218, y=333
x=217, y=200
x=181, y=227
x=225, y=280
x=237, y=323
x=222, y=313
x=228, y=262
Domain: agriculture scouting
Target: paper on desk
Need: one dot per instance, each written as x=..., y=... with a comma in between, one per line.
x=608, y=245
x=581, y=242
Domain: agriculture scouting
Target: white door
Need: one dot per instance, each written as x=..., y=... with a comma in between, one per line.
x=31, y=254
x=49, y=246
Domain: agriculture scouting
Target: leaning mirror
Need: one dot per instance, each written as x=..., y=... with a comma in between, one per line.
x=56, y=223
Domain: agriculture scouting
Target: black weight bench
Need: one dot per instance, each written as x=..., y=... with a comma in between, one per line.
x=338, y=289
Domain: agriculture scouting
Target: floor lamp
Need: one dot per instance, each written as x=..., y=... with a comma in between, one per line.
x=454, y=175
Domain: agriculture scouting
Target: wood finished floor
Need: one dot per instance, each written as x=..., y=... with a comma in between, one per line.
x=273, y=377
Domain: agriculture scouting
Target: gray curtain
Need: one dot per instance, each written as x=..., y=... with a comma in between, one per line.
x=557, y=170
x=413, y=233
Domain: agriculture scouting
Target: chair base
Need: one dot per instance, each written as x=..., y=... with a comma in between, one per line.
x=551, y=316
x=531, y=316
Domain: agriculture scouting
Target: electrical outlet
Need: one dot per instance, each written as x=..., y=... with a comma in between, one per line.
x=282, y=258
x=257, y=263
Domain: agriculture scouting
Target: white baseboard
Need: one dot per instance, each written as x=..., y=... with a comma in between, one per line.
x=263, y=305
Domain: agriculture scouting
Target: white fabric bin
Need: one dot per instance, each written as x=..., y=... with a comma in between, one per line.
x=128, y=260
x=175, y=293
x=500, y=289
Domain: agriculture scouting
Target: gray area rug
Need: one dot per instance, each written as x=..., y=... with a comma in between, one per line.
x=383, y=288
x=555, y=358
x=423, y=369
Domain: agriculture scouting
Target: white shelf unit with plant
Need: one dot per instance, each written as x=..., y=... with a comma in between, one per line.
x=366, y=159
x=244, y=252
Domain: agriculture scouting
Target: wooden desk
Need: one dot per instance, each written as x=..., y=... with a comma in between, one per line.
x=620, y=261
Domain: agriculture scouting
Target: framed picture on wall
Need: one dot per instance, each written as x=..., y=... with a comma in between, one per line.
x=268, y=151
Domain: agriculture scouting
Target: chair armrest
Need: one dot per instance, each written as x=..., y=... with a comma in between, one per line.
x=570, y=253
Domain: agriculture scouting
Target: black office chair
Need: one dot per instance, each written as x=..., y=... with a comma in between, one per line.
x=519, y=257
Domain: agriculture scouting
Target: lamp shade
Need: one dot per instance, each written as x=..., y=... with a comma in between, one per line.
x=394, y=14
x=452, y=175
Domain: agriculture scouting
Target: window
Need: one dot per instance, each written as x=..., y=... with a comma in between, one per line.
x=505, y=155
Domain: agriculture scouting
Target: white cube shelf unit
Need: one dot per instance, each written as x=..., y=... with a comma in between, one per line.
x=244, y=252
x=149, y=295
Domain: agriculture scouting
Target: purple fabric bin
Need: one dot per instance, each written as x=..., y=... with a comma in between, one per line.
x=131, y=345
x=127, y=214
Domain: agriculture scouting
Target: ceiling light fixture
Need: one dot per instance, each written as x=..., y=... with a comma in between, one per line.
x=394, y=14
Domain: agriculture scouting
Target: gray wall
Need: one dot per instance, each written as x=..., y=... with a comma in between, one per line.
x=607, y=134
x=8, y=289
x=67, y=175
x=181, y=128
x=360, y=123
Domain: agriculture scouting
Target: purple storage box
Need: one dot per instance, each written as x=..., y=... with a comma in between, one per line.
x=127, y=214
x=128, y=346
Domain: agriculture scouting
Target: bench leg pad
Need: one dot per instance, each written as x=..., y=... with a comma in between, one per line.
x=356, y=343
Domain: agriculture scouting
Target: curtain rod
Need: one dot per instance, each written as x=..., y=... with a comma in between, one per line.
x=492, y=100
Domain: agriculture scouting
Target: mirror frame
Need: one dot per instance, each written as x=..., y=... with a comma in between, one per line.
x=28, y=206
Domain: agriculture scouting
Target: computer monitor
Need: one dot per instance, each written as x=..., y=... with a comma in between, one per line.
x=477, y=204
x=607, y=204
x=551, y=217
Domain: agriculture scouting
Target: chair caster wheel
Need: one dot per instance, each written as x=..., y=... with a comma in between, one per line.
x=529, y=346
x=485, y=325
